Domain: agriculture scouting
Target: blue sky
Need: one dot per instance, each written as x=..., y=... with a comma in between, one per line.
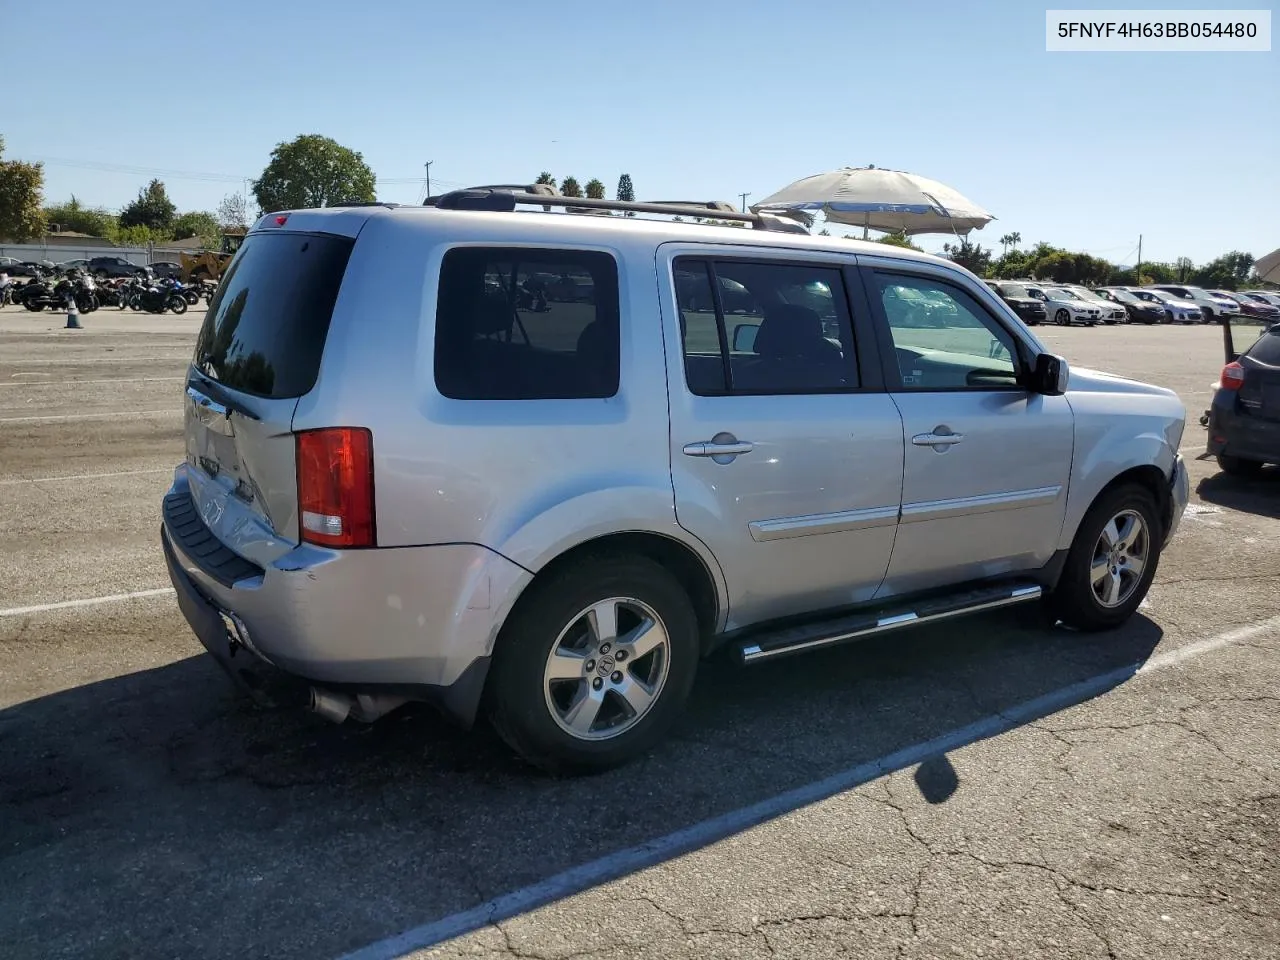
x=695, y=99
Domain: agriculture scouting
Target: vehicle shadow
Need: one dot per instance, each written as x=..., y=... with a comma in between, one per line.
x=160, y=814
x=1257, y=495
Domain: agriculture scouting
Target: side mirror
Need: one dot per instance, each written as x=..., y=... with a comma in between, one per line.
x=1050, y=375
x=744, y=337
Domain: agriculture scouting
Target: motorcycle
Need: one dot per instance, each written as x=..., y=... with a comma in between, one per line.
x=157, y=298
x=40, y=294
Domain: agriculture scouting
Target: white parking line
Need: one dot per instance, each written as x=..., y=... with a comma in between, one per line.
x=81, y=476
x=699, y=835
x=122, y=415
x=85, y=602
x=54, y=383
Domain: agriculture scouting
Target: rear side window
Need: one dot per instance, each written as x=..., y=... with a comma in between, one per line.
x=1266, y=349
x=266, y=327
x=527, y=324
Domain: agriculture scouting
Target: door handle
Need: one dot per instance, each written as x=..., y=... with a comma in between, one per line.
x=936, y=439
x=711, y=448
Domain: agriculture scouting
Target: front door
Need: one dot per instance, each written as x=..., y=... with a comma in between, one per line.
x=786, y=453
x=986, y=462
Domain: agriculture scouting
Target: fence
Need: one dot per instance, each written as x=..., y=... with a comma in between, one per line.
x=57, y=252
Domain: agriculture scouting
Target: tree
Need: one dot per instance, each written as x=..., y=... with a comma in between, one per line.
x=1004, y=242
x=20, y=187
x=969, y=255
x=1015, y=238
x=195, y=223
x=546, y=177
x=570, y=188
x=74, y=217
x=1228, y=272
x=898, y=239
x=313, y=171
x=152, y=209
x=1184, y=266
x=232, y=212
x=595, y=189
x=626, y=191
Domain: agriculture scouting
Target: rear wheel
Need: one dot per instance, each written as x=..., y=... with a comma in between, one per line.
x=1112, y=560
x=595, y=666
x=1239, y=467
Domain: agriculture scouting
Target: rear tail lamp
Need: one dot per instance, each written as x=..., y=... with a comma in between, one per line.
x=335, y=487
x=1232, y=376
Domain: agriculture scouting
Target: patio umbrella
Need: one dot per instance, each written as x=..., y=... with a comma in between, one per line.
x=1268, y=268
x=875, y=199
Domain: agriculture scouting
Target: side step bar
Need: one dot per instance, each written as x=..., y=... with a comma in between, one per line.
x=855, y=626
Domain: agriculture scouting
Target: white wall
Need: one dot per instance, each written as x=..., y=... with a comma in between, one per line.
x=57, y=252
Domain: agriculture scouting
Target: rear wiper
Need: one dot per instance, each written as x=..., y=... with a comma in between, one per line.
x=215, y=391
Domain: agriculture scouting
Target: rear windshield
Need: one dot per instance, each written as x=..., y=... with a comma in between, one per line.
x=267, y=324
x=1267, y=349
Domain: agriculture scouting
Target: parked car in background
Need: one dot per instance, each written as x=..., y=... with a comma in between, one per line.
x=1066, y=308
x=103, y=267
x=1254, y=309
x=1176, y=309
x=1030, y=310
x=1211, y=307
x=1263, y=296
x=348, y=511
x=166, y=269
x=27, y=268
x=66, y=266
x=1112, y=313
x=1139, y=310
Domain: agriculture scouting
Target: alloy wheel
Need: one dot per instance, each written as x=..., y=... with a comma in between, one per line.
x=1119, y=557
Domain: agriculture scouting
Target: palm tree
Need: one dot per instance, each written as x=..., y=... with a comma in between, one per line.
x=1015, y=238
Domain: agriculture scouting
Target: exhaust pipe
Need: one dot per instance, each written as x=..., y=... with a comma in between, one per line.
x=365, y=707
x=331, y=706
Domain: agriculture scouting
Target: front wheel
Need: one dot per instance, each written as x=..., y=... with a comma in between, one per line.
x=595, y=666
x=177, y=304
x=1063, y=318
x=1112, y=560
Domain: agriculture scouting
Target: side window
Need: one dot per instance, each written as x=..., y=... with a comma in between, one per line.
x=764, y=328
x=1266, y=349
x=943, y=338
x=525, y=324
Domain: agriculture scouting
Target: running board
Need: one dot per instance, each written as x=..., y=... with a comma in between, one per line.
x=827, y=633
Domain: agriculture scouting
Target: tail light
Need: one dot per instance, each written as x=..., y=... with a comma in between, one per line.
x=1232, y=376
x=335, y=487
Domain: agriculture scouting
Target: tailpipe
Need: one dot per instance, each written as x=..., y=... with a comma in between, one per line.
x=365, y=707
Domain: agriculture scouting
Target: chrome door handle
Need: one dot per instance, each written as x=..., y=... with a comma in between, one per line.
x=709, y=448
x=936, y=439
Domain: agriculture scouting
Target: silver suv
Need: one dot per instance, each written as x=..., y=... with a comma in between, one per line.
x=540, y=464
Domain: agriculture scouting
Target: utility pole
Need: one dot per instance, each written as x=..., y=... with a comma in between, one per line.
x=744, y=201
x=428, y=166
x=1137, y=273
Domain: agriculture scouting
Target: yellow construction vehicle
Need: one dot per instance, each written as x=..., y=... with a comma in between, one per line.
x=209, y=264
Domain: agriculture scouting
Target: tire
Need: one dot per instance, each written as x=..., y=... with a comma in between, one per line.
x=1062, y=318
x=177, y=304
x=1075, y=600
x=35, y=306
x=1239, y=467
x=531, y=710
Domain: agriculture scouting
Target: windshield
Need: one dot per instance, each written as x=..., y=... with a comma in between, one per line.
x=1123, y=296
x=1062, y=293
x=1015, y=290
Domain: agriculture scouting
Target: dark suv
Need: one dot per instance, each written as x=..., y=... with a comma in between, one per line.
x=1030, y=310
x=102, y=267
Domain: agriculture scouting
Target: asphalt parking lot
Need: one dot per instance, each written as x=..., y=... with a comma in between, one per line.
x=984, y=789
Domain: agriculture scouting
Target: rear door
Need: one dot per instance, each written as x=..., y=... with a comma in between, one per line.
x=258, y=352
x=1260, y=393
x=786, y=454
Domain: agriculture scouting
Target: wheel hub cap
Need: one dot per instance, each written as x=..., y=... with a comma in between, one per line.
x=604, y=666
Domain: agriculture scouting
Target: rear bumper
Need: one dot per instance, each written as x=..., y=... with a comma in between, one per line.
x=1240, y=435
x=421, y=620
x=1179, y=496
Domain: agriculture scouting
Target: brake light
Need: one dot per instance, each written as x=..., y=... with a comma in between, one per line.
x=335, y=487
x=1232, y=376
x=282, y=219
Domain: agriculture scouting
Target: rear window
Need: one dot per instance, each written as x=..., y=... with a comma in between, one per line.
x=1266, y=349
x=527, y=324
x=265, y=329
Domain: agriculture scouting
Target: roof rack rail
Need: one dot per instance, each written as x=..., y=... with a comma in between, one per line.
x=505, y=198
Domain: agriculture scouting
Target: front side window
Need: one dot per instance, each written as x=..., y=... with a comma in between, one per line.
x=527, y=324
x=751, y=327
x=943, y=338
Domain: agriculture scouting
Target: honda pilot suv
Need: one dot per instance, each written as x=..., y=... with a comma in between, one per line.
x=414, y=473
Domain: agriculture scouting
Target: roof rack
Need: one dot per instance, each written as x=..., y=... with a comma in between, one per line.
x=505, y=198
